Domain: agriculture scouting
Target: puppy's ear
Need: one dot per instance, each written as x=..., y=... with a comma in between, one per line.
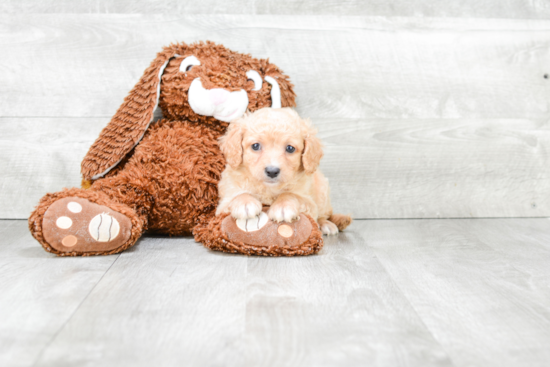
x=313, y=152
x=231, y=144
x=130, y=122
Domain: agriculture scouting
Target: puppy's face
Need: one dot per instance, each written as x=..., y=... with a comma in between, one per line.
x=272, y=146
x=271, y=154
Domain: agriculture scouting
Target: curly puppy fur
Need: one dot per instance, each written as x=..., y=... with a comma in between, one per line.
x=164, y=175
x=272, y=159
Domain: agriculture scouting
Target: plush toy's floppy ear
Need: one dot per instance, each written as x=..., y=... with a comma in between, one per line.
x=130, y=122
x=231, y=144
x=313, y=152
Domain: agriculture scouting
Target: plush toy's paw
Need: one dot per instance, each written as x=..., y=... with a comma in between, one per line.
x=285, y=211
x=252, y=224
x=261, y=236
x=328, y=228
x=74, y=224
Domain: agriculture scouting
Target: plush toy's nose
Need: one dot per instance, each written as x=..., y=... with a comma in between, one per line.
x=218, y=95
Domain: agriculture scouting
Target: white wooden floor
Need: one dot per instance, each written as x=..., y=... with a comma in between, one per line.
x=445, y=292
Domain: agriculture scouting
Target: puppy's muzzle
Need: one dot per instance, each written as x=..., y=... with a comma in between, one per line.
x=272, y=172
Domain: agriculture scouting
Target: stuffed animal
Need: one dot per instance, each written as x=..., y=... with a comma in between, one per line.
x=162, y=175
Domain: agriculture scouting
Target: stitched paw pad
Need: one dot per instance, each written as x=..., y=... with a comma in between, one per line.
x=253, y=224
x=75, y=224
x=264, y=232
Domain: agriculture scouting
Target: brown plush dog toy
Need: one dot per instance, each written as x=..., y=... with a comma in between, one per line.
x=162, y=176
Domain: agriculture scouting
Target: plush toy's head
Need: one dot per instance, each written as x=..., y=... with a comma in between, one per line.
x=202, y=82
x=210, y=83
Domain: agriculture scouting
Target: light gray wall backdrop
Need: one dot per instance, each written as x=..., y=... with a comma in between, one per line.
x=426, y=109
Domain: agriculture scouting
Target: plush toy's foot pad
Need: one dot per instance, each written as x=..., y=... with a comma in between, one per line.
x=74, y=224
x=261, y=236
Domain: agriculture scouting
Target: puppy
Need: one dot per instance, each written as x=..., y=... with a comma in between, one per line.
x=272, y=158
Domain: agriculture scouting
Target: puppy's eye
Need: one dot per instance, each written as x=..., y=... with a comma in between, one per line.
x=290, y=149
x=256, y=146
x=188, y=63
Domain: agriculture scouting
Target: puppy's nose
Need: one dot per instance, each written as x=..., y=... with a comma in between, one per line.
x=218, y=95
x=272, y=171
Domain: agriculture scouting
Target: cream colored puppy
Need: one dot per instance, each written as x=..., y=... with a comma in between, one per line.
x=272, y=158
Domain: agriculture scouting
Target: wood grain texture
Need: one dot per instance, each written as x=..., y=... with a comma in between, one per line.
x=339, y=308
x=480, y=286
x=521, y=9
x=378, y=168
x=456, y=292
x=39, y=156
x=166, y=302
x=38, y=292
x=357, y=67
x=421, y=118
x=170, y=301
x=437, y=168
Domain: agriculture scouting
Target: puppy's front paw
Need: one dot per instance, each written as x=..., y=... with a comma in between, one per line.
x=283, y=212
x=246, y=208
x=328, y=228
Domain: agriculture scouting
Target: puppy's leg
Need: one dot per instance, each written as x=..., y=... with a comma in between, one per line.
x=327, y=227
x=341, y=220
x=286, y=208
x=245, y=206
x=334, y=224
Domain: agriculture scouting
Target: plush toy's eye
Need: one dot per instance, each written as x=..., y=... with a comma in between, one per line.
x=188, y=63
x=290, y=149
x=256, y=78
x=256, y=146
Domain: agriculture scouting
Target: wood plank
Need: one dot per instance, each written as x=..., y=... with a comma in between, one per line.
x=378, y=168
x=529, y=260
x=479, y=300
x=166, y=302
x=38, y=292
x=339, y=308
x=437, y=168
x=520, y=9
x=39, y=156
x=356, y=67
x=170, y=301
x=391, y=292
